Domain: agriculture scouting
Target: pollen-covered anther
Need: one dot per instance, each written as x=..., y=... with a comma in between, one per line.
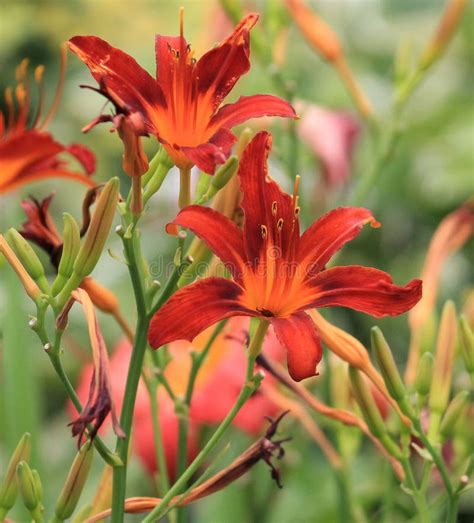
x=264, y=231
x=274, y=208
x=297, y=211
x=280, y=224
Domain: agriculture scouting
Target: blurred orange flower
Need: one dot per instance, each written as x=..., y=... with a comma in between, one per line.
x=27, y=151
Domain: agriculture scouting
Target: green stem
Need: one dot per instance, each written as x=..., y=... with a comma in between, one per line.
x=184, y=188
x=152, y=386
x=131, y=248
x=418, y=497
x=453, y=505
x=436, y=457
x=109, y=457
x=183, y=424
x=251, y=383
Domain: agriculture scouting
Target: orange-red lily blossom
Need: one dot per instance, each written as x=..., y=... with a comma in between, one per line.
x=182, y=106
x=276, y=273
x=27, y=151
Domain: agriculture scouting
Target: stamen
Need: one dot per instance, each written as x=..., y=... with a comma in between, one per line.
x=295, y=191
x=10, y=106
x=59, y=88
x=181, y=22
x=264, y=231
x=39, y=71
x=297, y=211
x=22, y=69
x=274, y=208
x=280, y=224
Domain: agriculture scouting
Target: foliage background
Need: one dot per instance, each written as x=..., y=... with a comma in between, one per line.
x=430, y=174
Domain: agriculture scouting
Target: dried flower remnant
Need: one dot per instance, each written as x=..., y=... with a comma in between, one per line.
x=276, y=273
x=182, y=106
x=264, y=449
x=27, y=151
x=100, y=401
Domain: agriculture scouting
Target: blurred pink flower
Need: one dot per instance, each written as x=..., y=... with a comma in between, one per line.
x=217, y=386
x=331, y=135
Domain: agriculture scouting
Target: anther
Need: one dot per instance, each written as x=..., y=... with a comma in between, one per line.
x=274, y=208
x=280, y=224
x=264, y=231
x=297, y=211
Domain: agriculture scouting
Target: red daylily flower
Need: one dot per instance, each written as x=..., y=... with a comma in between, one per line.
x=276, y=273
x=29, y=153
x=182, y=106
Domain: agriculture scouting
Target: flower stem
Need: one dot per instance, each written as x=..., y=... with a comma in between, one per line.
x=251, y=383
x=131, y=247
x=418, y=497
x=184, y=188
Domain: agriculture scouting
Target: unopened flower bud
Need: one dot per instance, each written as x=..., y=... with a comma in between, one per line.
x=27, y=486
x=71, y=245
x=28, y=258
x=424, y=374
x=444, y=358
x=98, y=230
x=202, y=186
x=9, y=487
x=38, y=485
x=467, y=344
x=318, y=33
x=103, y=298
x=367, y=404
x=387, y=365
x=446, y=29
x=453, y=414
x=27, y=281
x=75, y=482
x=220, y=178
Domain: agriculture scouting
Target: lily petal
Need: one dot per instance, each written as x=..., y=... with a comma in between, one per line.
x=194, y=308
x=363, y=289
x=220, y=233
x=247, y=107
x=299, y=336
x=220, y=68
x=126, y=79
x=264, y=203
x=207, y=155
x=329, y=234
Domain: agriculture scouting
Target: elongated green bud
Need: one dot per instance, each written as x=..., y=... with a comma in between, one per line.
x=453, y=414
x=367, y=404
x=387, y=364
x=467, y=344
x=424, y=374
x=98, y=230
x=28, y=258
x=444, y=358
x=9, y=487
x=38, y=485
x=225, y=173
x=202, y=186
x=76, y=479
x=71, y=245
x=26, y=483
x=220, y=179
x=370, y=412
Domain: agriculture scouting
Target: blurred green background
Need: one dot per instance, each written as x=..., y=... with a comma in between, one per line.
x=430, y=174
